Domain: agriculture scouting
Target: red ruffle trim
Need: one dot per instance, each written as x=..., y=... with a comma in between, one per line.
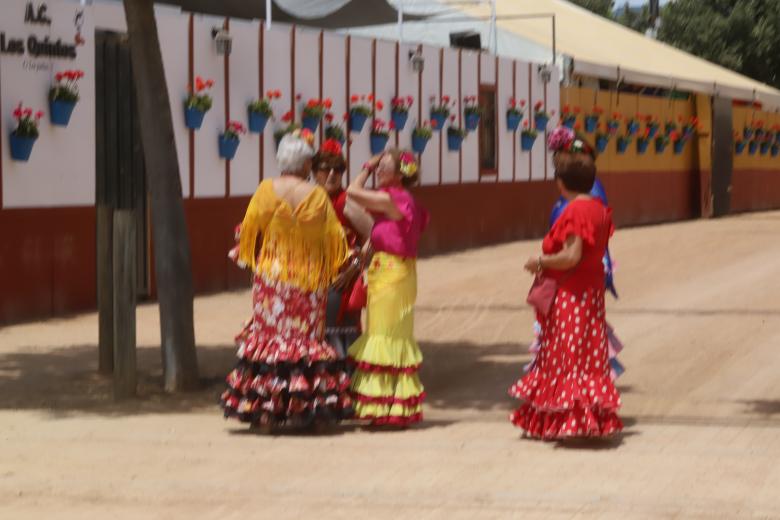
x=393, y=420
x=381, y=369
x=260, y=347
x=597, y=392
x=576, y=422
x=409, y=401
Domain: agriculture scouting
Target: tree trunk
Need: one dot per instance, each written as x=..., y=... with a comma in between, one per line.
x=171, y=243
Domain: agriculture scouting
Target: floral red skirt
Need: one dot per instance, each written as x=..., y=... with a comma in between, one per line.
x=569, y=391
x=286, y=372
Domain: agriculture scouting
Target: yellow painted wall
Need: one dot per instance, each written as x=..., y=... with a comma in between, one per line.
x=744, y=116
x=628, y=105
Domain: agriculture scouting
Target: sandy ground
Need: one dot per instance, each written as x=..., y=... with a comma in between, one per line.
x=699, y=314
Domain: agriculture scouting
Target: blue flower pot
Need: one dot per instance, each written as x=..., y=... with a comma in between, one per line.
x=356, y=122
x=764, y=148
x=439, y=118
x=601, y=144
x=193, y=118
x=472, y=121
x=310, y=123
x=678, y=147
x=660, y=147
x=739, y=147
x=60, y=112
x=21, y=147
x=453, y=142
x=257, y=122
x=653, y=132
x=613, y=127
x=759, y=134
x=569, y=122
x=591, y=122
x=540, y=122
x=227, y=147
x=622, y=145
x=399, y=119
x=775, y=150
x=378, y=143
x=513, y=121
x=641, y=146
x=747, y=133
x=419, y=144
x=777, y=138
x=527, y=142
x=633, y=128
x=752, y=147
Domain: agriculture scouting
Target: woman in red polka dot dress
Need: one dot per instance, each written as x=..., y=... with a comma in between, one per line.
x=569, y=391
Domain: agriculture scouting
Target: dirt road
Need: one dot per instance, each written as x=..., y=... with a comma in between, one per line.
x=699, y=314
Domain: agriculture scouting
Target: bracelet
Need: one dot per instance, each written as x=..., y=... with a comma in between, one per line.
x=539, y=267
x=367, y=166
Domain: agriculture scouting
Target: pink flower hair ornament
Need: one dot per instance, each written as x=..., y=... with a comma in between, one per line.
x=563, y=139
x=408, y=164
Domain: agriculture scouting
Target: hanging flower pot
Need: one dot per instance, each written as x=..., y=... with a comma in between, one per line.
x=357, y=121
x=679, y=146
x=653, y=131
x=540, y=122
x=661, y=142
x=622, y=144
x=378, y=143
x=334, y=130
x=527, y=140
x=632, y=127
x=591, y=123
x=229, y=140
x=310, y=123
x=601, y=143
x=472, y=120
x=747, y=133
x=399, y=119
x=513, y=120
x=739, y=147
x=569, y=122
x=193, y=117
x=257, y=122
x=438, y=119
x=60, y=112
x=764, y=148
x=641, y=146
x=752, y=147
x=454, y=141
x=21, y=147
x=775, y=150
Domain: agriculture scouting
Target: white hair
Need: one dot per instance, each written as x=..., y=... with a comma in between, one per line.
x=292, y=153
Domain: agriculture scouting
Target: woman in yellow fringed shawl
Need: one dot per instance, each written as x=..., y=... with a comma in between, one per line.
x=386, y=358
x=294, y=243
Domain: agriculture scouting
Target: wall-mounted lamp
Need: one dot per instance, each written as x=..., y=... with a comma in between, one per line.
x=222, y=40
x=417, y=60
x=545, y=72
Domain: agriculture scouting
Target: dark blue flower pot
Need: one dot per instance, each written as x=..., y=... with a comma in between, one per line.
x=613, y=127
x=622, y=145
x=193, y=118
x=591, y=122
x=569, y=122
x=752, y=148
x=679, y=146
x=541, y=123
x=633, y=128
x=257, y=122
x=356, y=122
x=601, y=144
x=439, y=118
x=641, y=146
x=418, y=144
x=310, y=123
x=653, y=132
x=399, y=119
x=527, y=142
x=660, y=147
x=513, y=121
x=764, y=148
x=453, y=142
x=378, y=143
x=739, y=147
x=775, y=150
x=747, y=133
x=227, y=147
x=472, y=121
x=777, y=138
x=21, y=147
x=759, y=134
x=60, y=112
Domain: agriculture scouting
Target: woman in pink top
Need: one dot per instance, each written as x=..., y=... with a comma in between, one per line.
x=386, y=357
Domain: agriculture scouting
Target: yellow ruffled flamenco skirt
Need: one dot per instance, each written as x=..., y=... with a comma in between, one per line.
x=386, y=387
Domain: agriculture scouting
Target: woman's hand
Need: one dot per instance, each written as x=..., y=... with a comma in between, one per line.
x=533, y=265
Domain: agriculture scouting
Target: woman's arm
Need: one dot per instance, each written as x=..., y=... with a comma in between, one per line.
x=565, y=259
x=372, y=200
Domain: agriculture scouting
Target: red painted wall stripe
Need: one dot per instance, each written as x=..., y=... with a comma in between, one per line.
x=321, y=51
x=292, y=71
x=1, y=145
x=227, y=109
x=479, y=87
x=191, y=82
x=419, y=105
x=495, y=124
x=347, y=54
x=545, y=131
x=530, y=121
x=460, y=111
x=514, y=133
x=441, y=130
x=261, y=88
x=373, y=93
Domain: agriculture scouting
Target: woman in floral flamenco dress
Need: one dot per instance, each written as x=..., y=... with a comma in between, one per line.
x=295, y=245
x=569, y=391
x=386, y=358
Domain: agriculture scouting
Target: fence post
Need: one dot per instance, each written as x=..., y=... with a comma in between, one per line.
x=124, y=263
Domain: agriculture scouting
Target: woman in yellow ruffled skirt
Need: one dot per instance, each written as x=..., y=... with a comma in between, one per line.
x=385, y=385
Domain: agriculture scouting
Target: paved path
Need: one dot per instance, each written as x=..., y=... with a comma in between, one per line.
x=700, y=316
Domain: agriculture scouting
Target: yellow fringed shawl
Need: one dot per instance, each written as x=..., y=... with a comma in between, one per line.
x=304, y=246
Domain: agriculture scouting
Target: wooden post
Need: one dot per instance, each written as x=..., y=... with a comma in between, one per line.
x=105, y=289
x=124, y=303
